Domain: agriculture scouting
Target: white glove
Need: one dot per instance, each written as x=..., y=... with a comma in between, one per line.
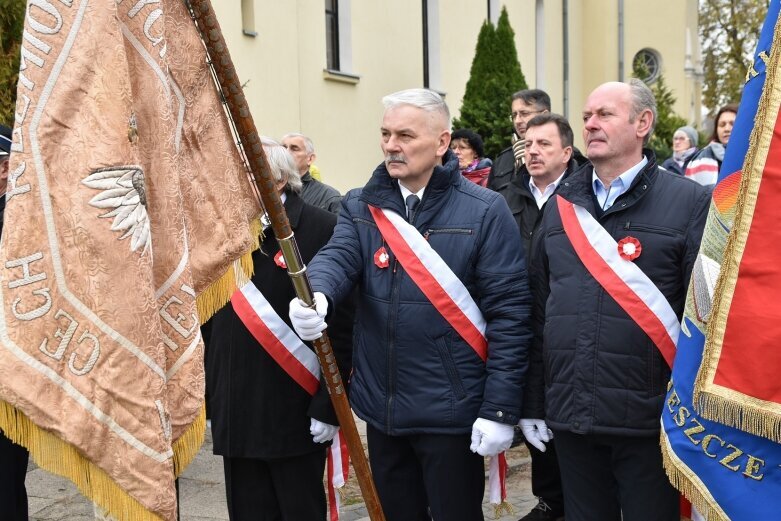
x=536, y=433
x=489, y=438
x=321, y=432
x=309, y=323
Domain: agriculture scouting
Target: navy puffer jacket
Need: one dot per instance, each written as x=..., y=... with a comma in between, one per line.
x=600, y=372
x=412, y=373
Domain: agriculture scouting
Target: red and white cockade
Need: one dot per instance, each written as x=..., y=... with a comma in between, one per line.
x=629, y=248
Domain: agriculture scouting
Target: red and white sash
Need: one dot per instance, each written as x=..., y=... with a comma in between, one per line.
x=450, y=297
x=276, y=337
x=621, y=278
x=434, y=278
x=298, y=361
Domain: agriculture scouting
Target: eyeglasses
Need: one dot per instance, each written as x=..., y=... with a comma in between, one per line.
x=523, y=114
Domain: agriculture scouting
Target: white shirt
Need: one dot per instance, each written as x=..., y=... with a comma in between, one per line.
x=541, y=197
x=606, y=196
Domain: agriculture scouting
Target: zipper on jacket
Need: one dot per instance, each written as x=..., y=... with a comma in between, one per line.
x=394, y=302
x=650, y=228
x=463, y=231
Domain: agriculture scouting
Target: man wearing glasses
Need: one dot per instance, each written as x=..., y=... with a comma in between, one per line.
x=525, y=105
x=510, y=177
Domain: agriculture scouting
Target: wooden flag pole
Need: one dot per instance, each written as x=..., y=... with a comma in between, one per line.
x=237, y=104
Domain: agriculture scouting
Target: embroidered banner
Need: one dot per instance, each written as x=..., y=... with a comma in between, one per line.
x=738, y=382
x=127, y=199
x=720, y=427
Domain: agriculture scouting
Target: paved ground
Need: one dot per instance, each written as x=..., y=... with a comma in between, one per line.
x=203, y=494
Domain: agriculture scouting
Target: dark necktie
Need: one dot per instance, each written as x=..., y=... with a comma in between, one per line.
x=412, y=202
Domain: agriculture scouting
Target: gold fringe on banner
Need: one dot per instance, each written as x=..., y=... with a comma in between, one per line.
x=213, y=298
x=744, y=413
x=58, y=457
x=187, y=445
x=687, y=482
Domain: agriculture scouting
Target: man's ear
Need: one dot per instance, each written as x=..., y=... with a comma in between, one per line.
x=644, y=122
x=311, y=159
x=567, y=154
x=444, y=143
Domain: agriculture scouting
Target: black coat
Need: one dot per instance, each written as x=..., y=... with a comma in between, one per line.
x=523, y=205
x=257, y=409
x=600, y=372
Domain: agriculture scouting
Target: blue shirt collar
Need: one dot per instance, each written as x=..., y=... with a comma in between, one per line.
x=606, y=196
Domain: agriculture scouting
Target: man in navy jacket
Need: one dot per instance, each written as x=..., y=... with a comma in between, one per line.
x=426, y=388
x=618, y=232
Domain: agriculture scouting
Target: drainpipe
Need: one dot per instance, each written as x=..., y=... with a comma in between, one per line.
x=620, y=40
x=565, y=57
x=539, y=43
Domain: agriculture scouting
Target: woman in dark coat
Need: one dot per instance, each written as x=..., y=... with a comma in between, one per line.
x=467, y=145
x=263, y=421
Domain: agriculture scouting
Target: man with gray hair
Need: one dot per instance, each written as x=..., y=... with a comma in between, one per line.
x=442, y=326
x=314, y=192
x=270, y=424
x=609, y=269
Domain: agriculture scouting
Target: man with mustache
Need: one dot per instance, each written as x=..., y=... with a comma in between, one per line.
x=441, y=330
x=549, y=160
x=610, y=265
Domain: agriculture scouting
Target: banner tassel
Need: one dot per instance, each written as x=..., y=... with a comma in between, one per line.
x=497, y=486
x=338, y=466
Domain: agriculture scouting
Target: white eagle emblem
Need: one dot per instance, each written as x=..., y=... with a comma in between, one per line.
x=124, y=196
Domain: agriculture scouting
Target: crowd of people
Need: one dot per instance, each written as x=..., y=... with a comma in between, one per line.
x=507, y=307
x=471, y=304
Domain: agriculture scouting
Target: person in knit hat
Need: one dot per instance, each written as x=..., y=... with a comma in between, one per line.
x=685, y=141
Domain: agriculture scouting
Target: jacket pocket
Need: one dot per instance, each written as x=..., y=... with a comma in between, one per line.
x=651, y=228
x=443, y=348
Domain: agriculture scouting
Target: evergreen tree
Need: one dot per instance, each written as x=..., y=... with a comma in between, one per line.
x=11, y=23
x=495, y=75
x=667, y=121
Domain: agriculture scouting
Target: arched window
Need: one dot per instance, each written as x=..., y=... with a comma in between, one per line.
x=647, y=65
